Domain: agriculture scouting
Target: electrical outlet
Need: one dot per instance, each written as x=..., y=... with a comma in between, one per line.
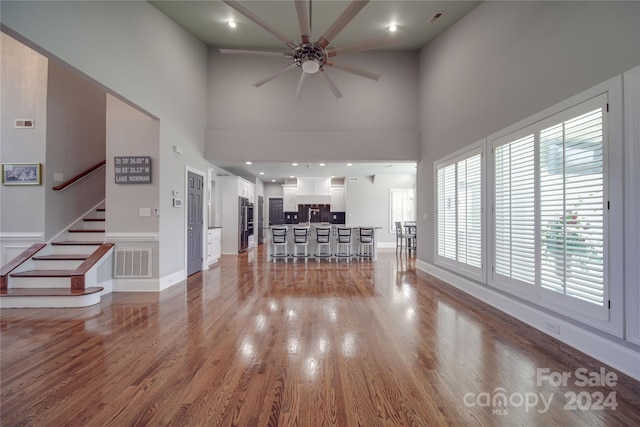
x=553, y=327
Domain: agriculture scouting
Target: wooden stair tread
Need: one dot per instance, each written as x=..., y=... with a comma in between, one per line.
x=76, y=242
x=85, y=230
x=94, y=220
x=48, y=292
x=43, y=273
x=100, y=209
x=61, y=257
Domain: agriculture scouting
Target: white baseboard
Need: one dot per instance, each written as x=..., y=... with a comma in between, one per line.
x=614, y=354
x=148, y=285
x=172, y=279
x=386, y=245
x=135, y=285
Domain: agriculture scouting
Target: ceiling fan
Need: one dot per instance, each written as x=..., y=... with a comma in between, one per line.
x=315, y=57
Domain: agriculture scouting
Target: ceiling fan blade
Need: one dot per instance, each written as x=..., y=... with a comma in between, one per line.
x=274, y=75
x=303, y=20
x=370, y=44
x=353, y=70
x=254, y=52
x=255, y=18
x=349, y=13
x=303, y=77
x=325, y=76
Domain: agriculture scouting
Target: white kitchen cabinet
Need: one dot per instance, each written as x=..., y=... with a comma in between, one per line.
x=314, y=186
x=322, y=186
x=214, y=245
x=338, y=199
x=290, y=201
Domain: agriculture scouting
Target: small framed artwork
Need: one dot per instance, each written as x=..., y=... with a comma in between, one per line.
x=21, y=174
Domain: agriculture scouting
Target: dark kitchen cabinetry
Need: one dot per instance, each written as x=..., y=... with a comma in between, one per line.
x=337, y=218
x=314, y=213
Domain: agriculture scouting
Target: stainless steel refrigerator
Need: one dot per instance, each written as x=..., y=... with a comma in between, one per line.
x=245, y=225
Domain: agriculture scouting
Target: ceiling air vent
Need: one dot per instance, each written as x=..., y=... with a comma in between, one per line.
x=291, y=181
x=435, y=17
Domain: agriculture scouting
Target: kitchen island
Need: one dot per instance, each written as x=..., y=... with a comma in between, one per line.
x=312, y=243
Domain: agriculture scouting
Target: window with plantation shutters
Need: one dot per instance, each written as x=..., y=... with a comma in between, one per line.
x=513, y=207
x=459, y=212
x=549, y=182
x=572, y=207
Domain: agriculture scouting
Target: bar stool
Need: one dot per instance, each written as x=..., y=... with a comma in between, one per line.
x=365, y=242
x=279, y=243
x=300, y=242
x=323, y=241
x=343, y=243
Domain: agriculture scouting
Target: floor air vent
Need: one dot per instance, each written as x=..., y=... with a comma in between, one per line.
x=132, y=263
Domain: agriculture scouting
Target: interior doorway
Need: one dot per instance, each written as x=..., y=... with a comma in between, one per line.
x=194, y=222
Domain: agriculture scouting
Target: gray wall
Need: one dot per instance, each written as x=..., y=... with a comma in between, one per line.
x=76, y=128
x=372, y=121
x=135, y=51
x=24, y=96
x=505, y=61
x=368, y=202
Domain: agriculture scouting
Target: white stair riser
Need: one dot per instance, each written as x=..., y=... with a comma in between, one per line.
x=73, y=249
x=50, y=302
x=93, y=225
x=56, y=265
x=40, y=282
x=86, y=237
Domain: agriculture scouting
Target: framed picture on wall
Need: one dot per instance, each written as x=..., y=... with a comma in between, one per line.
x=21, y=174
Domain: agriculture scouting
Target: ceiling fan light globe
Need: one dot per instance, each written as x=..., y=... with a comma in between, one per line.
x=310, y=66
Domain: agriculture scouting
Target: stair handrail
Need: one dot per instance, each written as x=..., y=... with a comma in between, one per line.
x=17, y=262
x=79, y=176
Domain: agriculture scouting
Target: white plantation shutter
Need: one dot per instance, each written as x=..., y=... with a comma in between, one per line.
x=470, y=211
x=572, y=207
x=447, y=211
x=514, y=209
x=549, y=208
x=459, y=204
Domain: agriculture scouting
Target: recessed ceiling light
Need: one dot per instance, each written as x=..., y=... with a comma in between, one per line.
x=273, y=180
x=392, y=27
x=248, y=163
x=261, y=173
x=349, y=164
x=321, y=164
x=291, y=176
x=231, y=23
x=294, y=164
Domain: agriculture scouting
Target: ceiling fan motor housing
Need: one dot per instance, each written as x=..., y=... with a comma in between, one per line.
x=312, y=54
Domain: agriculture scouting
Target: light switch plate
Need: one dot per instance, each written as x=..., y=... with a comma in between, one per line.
x=145, y=211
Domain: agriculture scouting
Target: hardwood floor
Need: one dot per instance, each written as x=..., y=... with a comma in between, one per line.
x=252, y=343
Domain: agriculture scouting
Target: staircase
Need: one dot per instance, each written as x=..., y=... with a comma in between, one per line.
x=63, y=273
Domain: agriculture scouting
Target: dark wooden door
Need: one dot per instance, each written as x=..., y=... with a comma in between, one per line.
x=260, y=219
x=194, y=223
x=276, y=211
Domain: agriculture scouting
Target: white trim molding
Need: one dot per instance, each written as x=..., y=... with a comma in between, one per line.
x=131, y=237
x=14, y=243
